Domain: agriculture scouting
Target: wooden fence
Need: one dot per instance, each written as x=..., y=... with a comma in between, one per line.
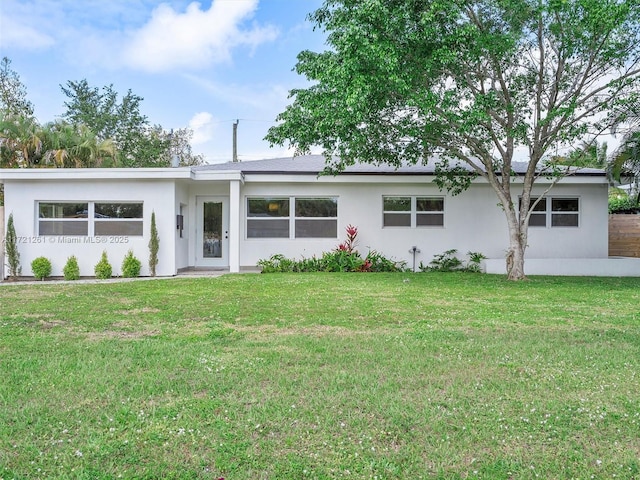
x=624, y=235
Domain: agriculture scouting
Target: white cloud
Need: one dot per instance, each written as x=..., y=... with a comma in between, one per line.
x=196, y=38
x=17, y=29
x=22, y=36
x=202, y=124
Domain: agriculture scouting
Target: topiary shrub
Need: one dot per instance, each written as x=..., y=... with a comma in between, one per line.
x=103, y=268
x=71, y=269
x=154, y=246
x=130, y=265
x=11, y=249
x=41, y=268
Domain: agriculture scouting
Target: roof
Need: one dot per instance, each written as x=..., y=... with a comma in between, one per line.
x=314, y=164
x=302, y=165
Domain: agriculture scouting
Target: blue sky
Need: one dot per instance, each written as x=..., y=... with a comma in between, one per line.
x=198, y=65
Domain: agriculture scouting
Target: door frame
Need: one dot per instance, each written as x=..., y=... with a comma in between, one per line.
x=200, y=260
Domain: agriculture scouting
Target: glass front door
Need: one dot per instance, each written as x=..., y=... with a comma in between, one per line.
x=213, y=232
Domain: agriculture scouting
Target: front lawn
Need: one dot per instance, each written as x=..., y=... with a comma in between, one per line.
x=321, y=376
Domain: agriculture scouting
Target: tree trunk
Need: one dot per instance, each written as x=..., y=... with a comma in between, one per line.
x=517, y=247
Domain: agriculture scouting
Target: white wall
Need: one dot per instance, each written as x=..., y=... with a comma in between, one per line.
x=21, y=198
x=182, y=243
x=473, y=222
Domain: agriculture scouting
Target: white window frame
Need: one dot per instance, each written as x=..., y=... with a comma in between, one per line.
x=413, y=212
x=90, y=219
x=549, y=213
x=84, y=220
x=114, y=220
x=292, y=218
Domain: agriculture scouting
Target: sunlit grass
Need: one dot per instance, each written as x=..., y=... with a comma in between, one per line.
x=321, y=376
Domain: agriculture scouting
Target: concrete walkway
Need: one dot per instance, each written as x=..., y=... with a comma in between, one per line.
x=191, y=273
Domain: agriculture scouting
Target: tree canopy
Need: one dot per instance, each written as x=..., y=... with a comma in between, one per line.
x=13, y=93
x=478, y=84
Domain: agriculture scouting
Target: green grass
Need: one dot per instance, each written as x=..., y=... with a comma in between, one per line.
x=321, y=376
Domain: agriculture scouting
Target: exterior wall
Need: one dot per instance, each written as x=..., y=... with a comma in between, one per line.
x=2, y=238
x=589, y=240
x=182, y=204
x=472, y=222
x=21, y=197
x=573, y=267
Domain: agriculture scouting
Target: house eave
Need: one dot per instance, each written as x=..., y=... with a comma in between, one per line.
x=97, y=174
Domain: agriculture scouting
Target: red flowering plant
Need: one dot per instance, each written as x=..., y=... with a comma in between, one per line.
x=345, y=257
x=349, y=245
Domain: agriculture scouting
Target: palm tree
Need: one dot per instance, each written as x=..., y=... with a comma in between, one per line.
x=21, y=141
x=625, y=161
x=77, y=146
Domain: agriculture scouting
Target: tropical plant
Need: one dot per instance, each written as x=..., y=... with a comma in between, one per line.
x=131, y=265
x=445, y=262
x=41, y=267
x=625, y=161
x=71, y=270
x=21, y=142
x=467, y=84
x=475, y=261
x=103, y=269
x=11, y=249
x=154, y=246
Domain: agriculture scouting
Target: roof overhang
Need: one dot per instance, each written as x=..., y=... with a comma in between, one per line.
x=122, y=174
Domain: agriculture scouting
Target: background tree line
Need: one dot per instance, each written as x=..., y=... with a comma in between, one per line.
x=97, y=129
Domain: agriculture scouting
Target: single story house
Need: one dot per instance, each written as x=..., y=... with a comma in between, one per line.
x=231, y=215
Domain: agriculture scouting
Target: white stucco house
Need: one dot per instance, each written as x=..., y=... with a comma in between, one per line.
x=231, y=215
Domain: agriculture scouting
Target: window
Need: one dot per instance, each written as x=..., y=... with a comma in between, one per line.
x=555, y=212
x=268, y=218
x=564, y=212
x=90, y=218
x=118, y=219
x=308, y=217
x=413, y=211
x=316, y=217
x=63, y=218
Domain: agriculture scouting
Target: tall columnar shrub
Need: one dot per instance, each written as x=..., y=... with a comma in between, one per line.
x=103, y=268
x=11, y=249
x=154, y=246
x=71, y=269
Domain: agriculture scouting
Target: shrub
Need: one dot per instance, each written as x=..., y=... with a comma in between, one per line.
x=341, y=261
x=449, y=262
x=379, y=263
x=103, y=268
x=11, y=249
x=344, y=258
x=154, y=246
x=276, y=264
x=444, y=262
x=41, y=268
x=130, y=265
x=622, y=204
x=475, y=259
x=71, y=269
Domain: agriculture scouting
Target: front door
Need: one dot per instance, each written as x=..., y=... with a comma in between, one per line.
x=212, y=243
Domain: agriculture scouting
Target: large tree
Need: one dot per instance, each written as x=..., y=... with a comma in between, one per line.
x=469, y=83
x=13, y=93
x=138, y=143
